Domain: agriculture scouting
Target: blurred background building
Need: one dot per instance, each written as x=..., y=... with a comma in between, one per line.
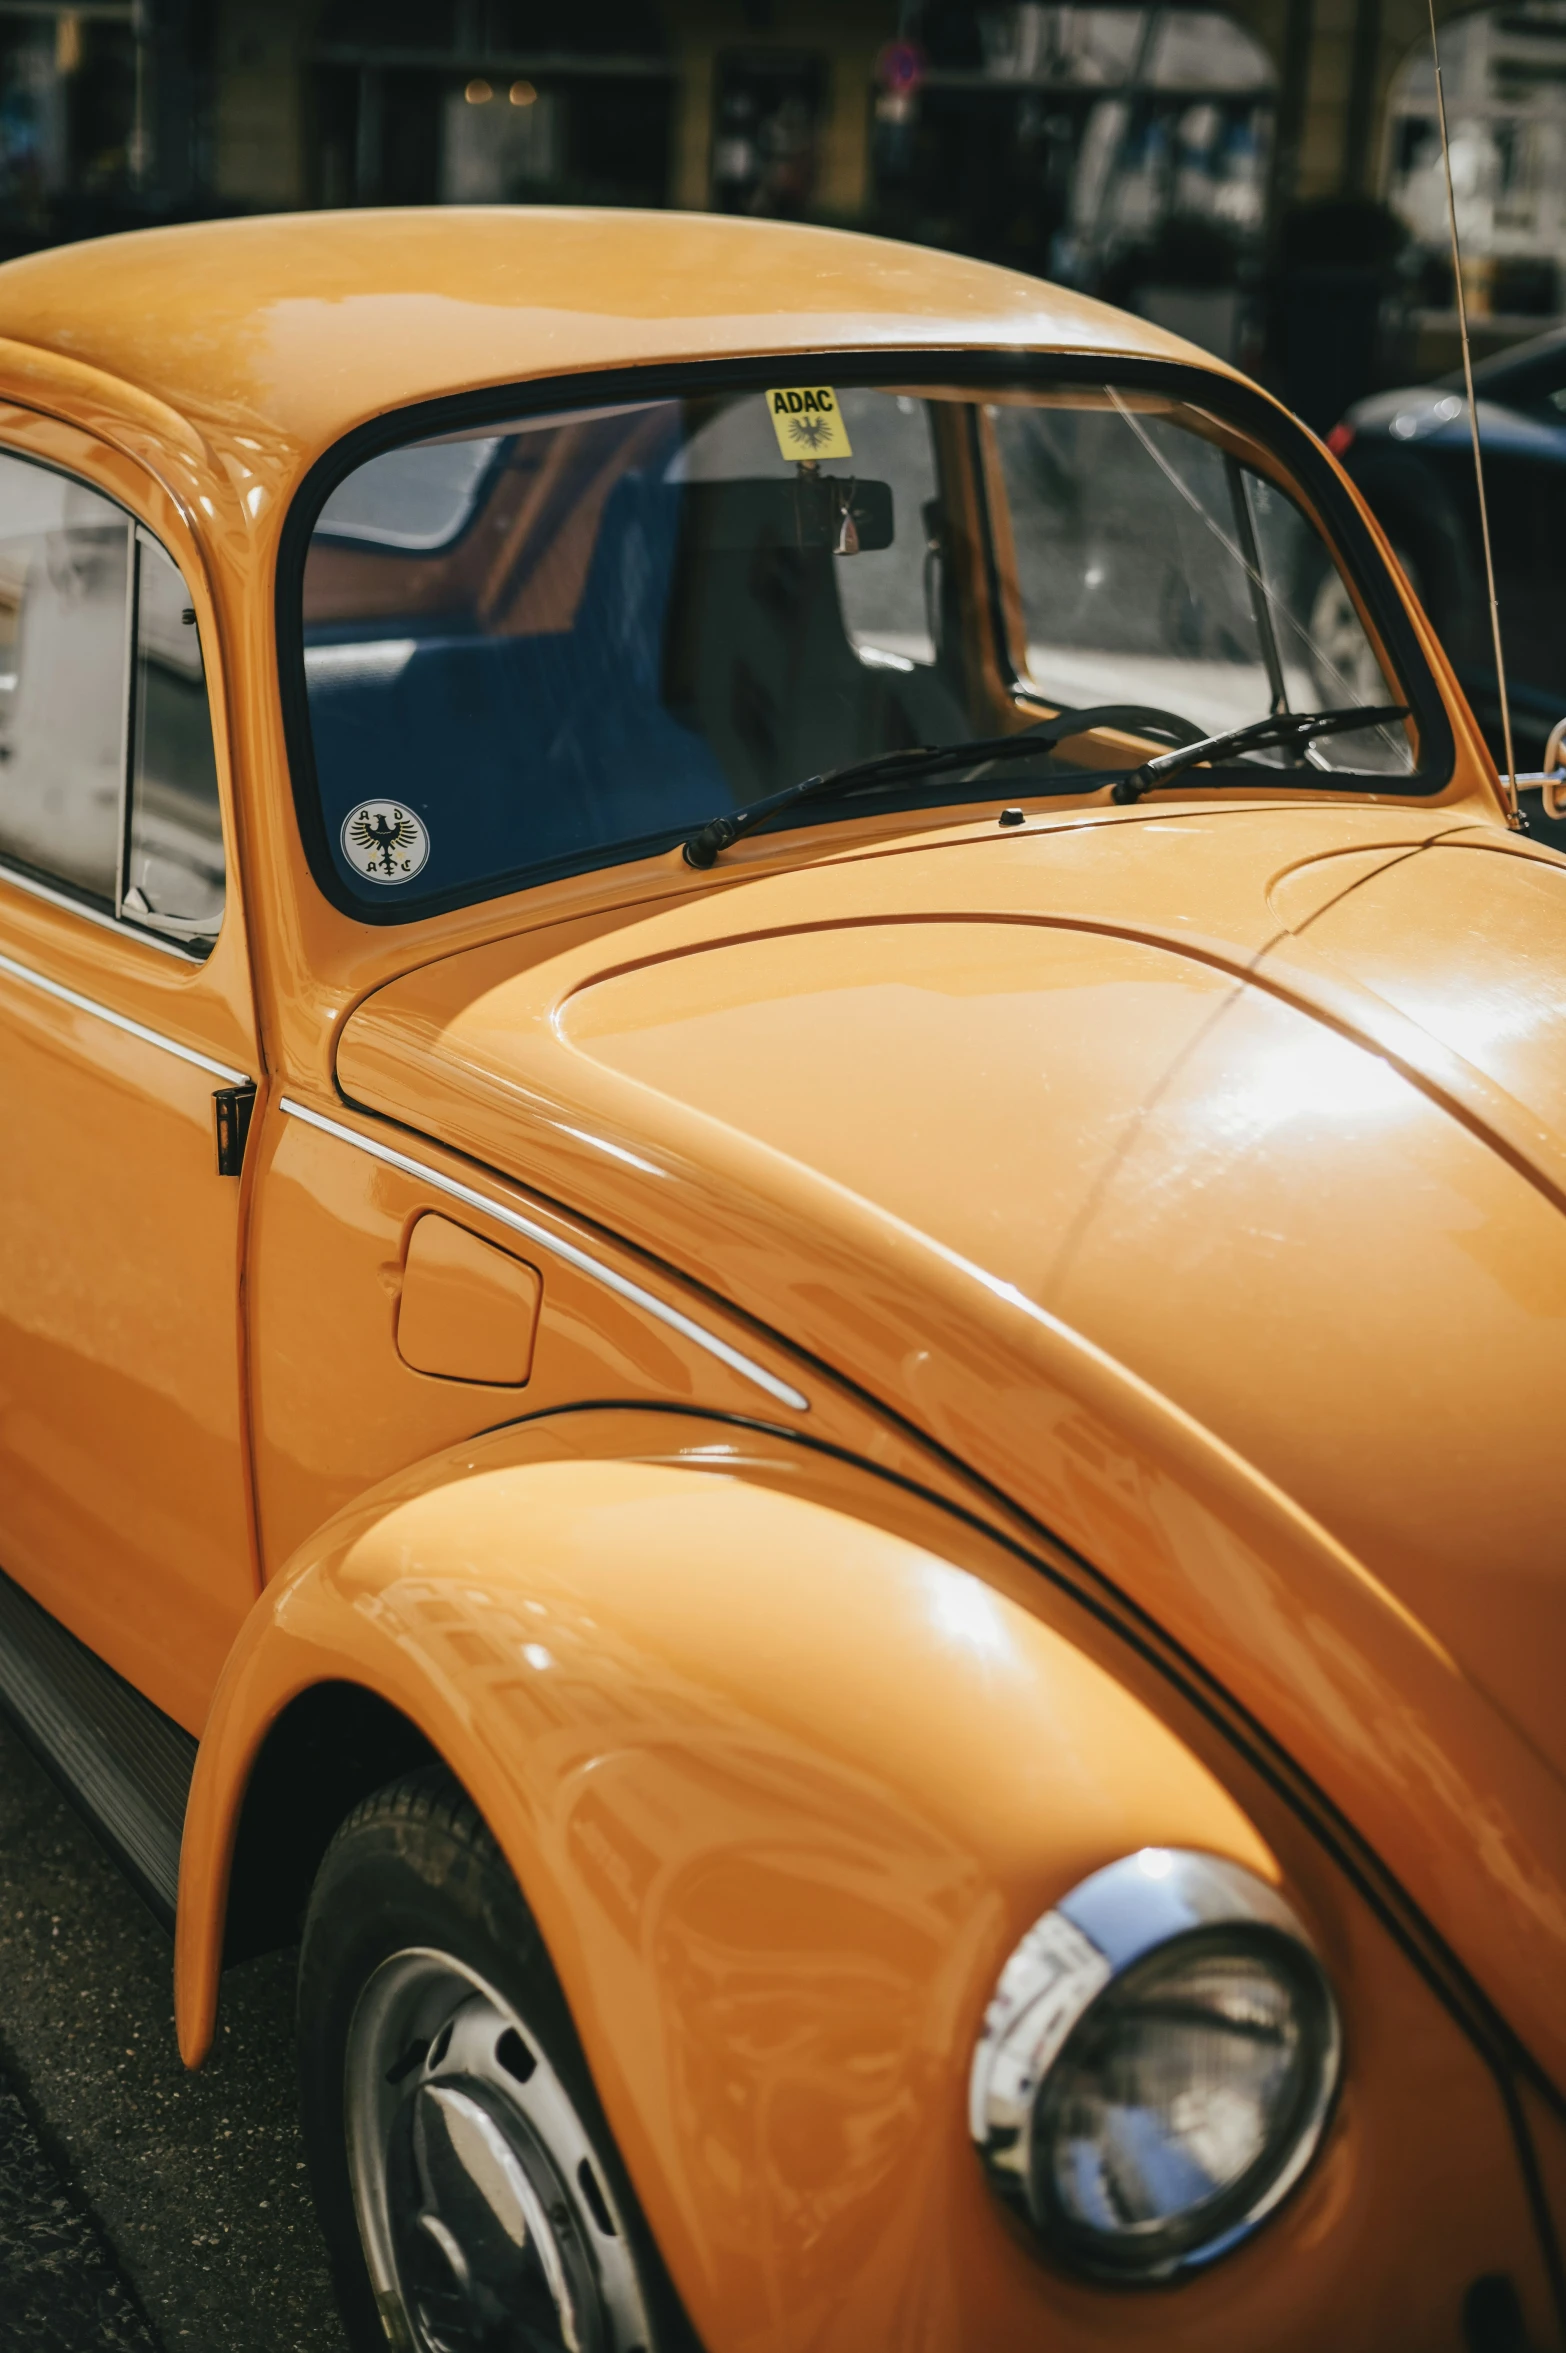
x=1265, y=177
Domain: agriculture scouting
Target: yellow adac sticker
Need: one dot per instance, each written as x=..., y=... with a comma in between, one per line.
x=808, y=423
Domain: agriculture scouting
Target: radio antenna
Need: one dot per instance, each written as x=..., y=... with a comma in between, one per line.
x=1473, y=419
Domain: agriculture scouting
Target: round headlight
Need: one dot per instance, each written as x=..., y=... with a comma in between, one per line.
x=1157, y=2066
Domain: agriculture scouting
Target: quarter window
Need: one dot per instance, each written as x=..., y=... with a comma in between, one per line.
x=64, y=581
x=108, y=782
x=174, y=849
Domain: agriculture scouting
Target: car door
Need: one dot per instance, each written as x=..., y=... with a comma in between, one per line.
x=124, y=1013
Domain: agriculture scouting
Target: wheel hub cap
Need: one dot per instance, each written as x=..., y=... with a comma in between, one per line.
x=486, y=2223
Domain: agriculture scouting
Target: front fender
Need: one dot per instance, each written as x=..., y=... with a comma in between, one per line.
x=782, y=1787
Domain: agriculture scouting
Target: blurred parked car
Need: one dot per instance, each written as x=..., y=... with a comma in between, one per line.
x=1411, y=454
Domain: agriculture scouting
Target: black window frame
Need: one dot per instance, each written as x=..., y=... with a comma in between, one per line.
x=1230, y=400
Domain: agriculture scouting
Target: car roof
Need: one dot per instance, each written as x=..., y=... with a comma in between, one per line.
x=296, y=327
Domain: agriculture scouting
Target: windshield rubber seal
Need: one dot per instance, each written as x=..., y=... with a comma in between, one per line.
x=1231, y=400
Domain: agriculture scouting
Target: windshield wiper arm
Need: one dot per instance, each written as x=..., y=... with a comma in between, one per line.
x=1292, y=728
x=889, y=769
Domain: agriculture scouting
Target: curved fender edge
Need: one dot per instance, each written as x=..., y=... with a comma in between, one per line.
x=781, y=1787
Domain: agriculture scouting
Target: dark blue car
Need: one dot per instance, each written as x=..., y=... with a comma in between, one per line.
x=1411, y=454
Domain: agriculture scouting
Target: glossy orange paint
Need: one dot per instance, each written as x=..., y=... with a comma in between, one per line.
x=1168, y=1200
x=467, y=1311
x=337, y=1406
x=124, y=1500
x=1102, y=1208
x=784, y=1779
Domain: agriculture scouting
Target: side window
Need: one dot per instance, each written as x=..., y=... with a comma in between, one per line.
x=108, y=783
x=64, y=580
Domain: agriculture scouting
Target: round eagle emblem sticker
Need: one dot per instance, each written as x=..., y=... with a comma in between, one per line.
x=384, y=841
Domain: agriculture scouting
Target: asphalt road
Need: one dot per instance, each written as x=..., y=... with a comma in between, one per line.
x=142, y=2210
x=60, y=2286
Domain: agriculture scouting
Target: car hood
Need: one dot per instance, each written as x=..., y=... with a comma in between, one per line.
x=1266, y=1106
x=1270, y=1106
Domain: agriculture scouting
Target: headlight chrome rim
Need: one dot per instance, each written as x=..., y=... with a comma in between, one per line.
x=1147, y=1918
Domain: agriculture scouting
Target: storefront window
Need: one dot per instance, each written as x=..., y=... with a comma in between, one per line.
x=1123, y=150
x=1504, y=73
x=70, y=134
x=444, y=104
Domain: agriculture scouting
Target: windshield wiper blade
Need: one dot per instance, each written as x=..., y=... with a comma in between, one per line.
x=889, y=769
x=1294, y=729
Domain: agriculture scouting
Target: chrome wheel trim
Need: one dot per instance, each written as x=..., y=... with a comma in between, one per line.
x=486, y=2221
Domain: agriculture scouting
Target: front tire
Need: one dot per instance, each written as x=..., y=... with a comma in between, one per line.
x=466, y=2180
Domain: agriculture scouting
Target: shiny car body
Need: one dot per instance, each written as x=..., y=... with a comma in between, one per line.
x=987, y=1332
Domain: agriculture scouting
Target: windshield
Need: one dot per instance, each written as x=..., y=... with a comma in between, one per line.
x=564, y=640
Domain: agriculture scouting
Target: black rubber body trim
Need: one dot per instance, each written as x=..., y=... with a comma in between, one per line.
x=119, y=1759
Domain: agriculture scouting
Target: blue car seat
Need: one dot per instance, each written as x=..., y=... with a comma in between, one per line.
x=520, y=751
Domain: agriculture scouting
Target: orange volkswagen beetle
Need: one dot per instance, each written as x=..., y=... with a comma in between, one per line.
x=781, y=1273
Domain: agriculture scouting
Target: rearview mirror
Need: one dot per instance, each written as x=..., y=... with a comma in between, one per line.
x=844, y=515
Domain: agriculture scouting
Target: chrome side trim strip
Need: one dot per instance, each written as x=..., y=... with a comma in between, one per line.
x=594, y=1267
x=133, y=1029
